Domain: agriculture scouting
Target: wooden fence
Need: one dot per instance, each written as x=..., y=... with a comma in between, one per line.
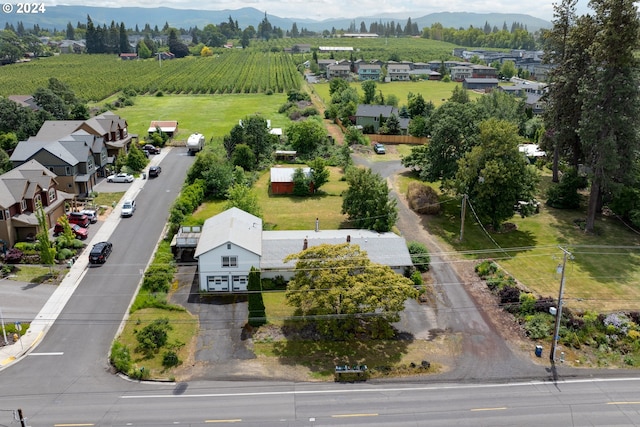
x=390, y=139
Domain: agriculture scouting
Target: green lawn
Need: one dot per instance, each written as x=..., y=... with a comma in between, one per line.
x=602, y=275
x=434, y=91
x=211, y=115
x=283, y=212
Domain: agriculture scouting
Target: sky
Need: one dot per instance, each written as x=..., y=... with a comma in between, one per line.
x=324, y=9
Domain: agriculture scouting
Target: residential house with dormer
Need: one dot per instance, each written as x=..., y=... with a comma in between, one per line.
x=22, y=189
x=233, y=241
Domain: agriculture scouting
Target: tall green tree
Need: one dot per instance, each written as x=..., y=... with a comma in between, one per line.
x=454, y=131
x=494, y=174
x=242, y=197
x=344, y=294
x=366, y=201
x=369, y=90
x=609, y=128
x=255, y=302
x=306, y=137
x=568, y=51
x=47, y=251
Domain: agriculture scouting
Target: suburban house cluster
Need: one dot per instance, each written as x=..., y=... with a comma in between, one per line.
x=229, y=244
x=22, y=190
x=76, y=151
x=61, y=162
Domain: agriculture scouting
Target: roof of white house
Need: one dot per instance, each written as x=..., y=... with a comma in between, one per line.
x=531, y=150
x=286, y=174
x=382, y=248
x=231, y=226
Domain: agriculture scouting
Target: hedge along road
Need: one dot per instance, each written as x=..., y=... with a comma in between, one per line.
x=485, y=353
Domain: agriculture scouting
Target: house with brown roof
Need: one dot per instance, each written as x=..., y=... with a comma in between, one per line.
x=170, y=127
x=25, y=101
x=22, y=189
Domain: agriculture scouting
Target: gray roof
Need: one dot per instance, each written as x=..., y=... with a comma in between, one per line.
x=231, y=226
x=25, y=150
x=382, y=248
x=22, y=180
x=368, y=110
x=52, y=130
x=491, y=81
x=286, y=174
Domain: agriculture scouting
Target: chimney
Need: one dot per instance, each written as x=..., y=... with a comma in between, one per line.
x=305, y=244
x=317, y=225
x=348, y=238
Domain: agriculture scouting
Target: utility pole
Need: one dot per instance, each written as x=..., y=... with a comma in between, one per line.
x=21, y=418
x=556, y=332
x=463, y=213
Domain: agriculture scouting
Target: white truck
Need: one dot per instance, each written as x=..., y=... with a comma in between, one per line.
x=195, y=143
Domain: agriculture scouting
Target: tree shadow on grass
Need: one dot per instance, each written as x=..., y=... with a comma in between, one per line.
x=304, y=346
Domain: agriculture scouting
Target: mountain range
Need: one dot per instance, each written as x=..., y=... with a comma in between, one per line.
x=57, y=17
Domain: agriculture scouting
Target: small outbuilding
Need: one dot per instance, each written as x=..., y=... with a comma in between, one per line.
x=170, y=127
x=282, y=179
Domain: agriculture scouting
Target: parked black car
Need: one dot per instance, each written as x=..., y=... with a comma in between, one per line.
x=151, y=149
x=154, y=171
x=100, y=252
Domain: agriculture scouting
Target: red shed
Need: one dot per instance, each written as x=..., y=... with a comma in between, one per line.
x=282, y=179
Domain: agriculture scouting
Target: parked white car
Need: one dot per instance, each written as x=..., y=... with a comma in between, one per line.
x=121, y=177
x=128, y=208
x=92, y=214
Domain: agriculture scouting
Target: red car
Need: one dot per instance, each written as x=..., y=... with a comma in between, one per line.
x=79, y=218
x=80, y=232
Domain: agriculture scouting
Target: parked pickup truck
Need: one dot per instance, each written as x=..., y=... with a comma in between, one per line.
x=195, y=143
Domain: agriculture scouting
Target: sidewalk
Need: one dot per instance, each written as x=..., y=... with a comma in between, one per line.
x=10, y=354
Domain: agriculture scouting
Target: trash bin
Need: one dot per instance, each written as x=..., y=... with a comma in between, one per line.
x=539, y=350
x=144, y=175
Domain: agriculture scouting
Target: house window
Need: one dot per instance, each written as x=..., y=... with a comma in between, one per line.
x=90, y=163
x=1, y=215
x=23, y=205
x=229, y=261
x=38, y=200
x=228, y=245
x=7, y=215
x=52, y=194
x=67, y=170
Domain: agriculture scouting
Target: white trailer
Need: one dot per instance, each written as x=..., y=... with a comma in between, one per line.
x=195, y=143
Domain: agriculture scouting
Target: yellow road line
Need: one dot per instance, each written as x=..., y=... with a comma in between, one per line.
x=7, y=360
x=623, y=403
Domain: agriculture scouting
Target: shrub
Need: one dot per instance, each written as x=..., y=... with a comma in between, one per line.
x=27, y=248
x=13, y=256
x=486, y=269
x=419, y=256
x=565, y=194
x=416, y=278
x=527, y=303
x=538, y=326
x=153, y=336
x=170, y=359
x=120, y=357
x=65, y=254
x=423, y=199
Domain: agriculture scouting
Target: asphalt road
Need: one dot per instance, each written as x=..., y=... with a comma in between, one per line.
x=74, y=352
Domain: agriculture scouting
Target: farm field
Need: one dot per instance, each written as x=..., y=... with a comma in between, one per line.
x=415, y=49
x=434, y=91
x=96, y=77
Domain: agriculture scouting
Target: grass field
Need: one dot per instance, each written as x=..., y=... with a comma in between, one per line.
x=602, y=274
x=434, y=91
x=211, y=115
